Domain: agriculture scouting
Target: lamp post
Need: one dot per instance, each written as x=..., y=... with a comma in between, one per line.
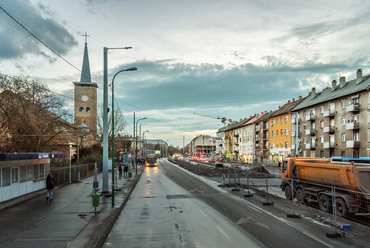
x=144, y=142
x=105, y=118
x=140, y=136
x=136, y=143
x=70, y=162
x=129, y=69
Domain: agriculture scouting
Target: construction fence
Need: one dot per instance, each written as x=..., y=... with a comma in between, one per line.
x=61, y=175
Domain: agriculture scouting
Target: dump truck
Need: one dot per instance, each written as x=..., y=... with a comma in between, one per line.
x=323, y=181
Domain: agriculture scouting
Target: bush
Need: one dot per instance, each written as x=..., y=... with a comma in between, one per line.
x=91, y=158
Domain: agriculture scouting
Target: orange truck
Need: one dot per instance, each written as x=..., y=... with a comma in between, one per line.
x=313, y=179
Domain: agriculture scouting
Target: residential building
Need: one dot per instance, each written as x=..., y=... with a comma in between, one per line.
x=262, y=137
x=203, y=145
x=281, y=131
x=334, y=122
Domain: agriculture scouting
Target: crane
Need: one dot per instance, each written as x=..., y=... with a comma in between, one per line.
x=223, y=119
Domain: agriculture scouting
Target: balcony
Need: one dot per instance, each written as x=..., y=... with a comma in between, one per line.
x=310, y=117
x=352, y=144
x=352, y=126
x=329, y=129
x=258, y=138
x=329, y=113
x=329, y=145
x=265, y=137
x=353, y=108
x=310, y=131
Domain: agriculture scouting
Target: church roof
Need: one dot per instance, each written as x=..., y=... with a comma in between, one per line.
x=85, y=73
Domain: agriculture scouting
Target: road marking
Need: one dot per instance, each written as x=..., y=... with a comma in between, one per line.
x=227, y=236
x=190, y=202
x=203, y=213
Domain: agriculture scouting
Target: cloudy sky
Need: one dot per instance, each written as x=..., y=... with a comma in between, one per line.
x=222, y=58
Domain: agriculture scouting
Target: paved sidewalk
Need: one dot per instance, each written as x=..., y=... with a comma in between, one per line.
x=71, y=208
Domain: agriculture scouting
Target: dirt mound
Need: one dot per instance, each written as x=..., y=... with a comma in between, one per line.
x=259, y=169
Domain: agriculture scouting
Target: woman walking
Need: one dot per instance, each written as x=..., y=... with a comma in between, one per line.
x=50, y=183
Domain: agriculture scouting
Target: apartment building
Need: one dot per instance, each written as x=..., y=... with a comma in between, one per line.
x=334, y=122
x=262, y=137
x=281, y=131
x=220, y=141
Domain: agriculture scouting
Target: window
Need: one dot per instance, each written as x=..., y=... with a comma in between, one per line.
x=321, y=153
x=277, y=145
x=281, y=119
x=6, y=177
x=286, y=145
x=281, y=145
x=343, y=120
x=88, y=109
x=321, y=139
x=343, y=104
x=277, y=120
x=81, y=109
x=304, y=113
x=14, y=175
x=22, y=174
x=356, y=137
x=273, y=133
x=321, y=109
x=273, y=145
x=286, y=118
x=29, y=172
x=343, y=153
x=286, y=131
x=273, y=121
x=321, y=124
x=35, y=171
x=343, y=137
x=304, y=127
x=281, y=132
x=304, y=140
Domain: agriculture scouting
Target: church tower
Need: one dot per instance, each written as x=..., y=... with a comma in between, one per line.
x=86, y=97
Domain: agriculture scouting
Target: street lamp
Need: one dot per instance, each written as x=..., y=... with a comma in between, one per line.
x=70, y=161
x=144, y=142
x=135, y=143
x=105, y=117
x=129, y=69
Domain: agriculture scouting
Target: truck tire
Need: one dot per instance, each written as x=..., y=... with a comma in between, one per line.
x=288, y=192
x=341, y=207
x=324, y=203
x=301, y=196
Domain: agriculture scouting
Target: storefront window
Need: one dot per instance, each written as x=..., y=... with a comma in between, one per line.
x=35, y=171
x=29, y=172
x=42, y=172
x=22, y=174
x=14, y=175
x=6, y=177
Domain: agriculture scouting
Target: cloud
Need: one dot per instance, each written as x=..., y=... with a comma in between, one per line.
x=16, y=43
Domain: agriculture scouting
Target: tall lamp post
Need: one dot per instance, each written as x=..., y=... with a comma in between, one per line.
x=129, y=69
x=105, y=117
x=136, y=142
x=70, y=162
x=144, y=142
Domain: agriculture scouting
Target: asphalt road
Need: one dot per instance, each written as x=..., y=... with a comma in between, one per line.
x=171, y=207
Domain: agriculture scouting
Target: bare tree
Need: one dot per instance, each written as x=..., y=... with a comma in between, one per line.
x=32, y=118
x=119, y=124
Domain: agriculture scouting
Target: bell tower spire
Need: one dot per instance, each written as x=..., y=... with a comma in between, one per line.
x=85, y=73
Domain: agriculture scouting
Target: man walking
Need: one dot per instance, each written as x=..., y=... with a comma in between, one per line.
x=50, y=183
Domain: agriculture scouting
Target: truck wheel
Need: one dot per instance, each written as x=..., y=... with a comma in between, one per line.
x=324, y=203
x=288, y=192
x=301, y=196
x=341, y=207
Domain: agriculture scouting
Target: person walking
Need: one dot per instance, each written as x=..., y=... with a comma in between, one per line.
x=125, y=170
x=50, y=183
x=120, y=170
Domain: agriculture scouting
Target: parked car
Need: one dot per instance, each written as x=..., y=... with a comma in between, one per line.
x=212, y=160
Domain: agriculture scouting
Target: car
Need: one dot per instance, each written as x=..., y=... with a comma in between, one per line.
x=212, y=160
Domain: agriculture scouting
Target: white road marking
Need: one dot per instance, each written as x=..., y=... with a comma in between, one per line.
x=203, y=213
x=227, y=236
x=190, y=202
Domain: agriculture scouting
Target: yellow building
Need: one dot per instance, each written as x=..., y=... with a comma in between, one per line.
x=280, y=131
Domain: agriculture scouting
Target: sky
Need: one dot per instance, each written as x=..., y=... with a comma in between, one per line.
x=221, y=58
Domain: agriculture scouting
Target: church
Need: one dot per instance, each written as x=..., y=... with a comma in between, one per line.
x=85, y=104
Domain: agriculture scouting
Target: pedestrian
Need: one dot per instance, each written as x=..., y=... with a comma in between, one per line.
x=50, y=183
x=125, y=170
x=120, y=170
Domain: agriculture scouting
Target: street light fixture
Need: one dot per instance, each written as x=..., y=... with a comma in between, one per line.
x=70, y=162
x=144, y=141
x=129, y=69
x=105, y=117
x=135, y=143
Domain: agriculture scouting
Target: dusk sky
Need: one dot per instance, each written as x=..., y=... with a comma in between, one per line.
x=224, y=58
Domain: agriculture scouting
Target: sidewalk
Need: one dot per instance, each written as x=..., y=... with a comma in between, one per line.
x=90, y=230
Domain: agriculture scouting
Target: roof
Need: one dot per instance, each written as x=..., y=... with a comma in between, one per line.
x=287, y=107
x=329, y=94
x=254, y=119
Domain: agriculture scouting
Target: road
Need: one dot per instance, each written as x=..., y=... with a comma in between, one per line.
x=171, y=207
